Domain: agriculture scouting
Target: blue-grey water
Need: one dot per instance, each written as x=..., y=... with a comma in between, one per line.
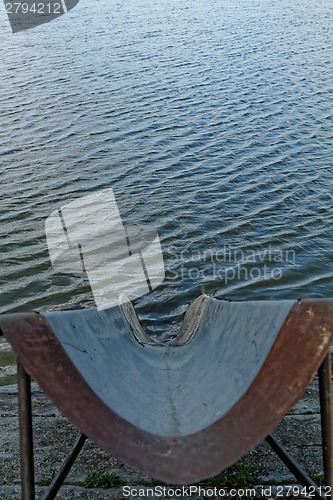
x=211, y=121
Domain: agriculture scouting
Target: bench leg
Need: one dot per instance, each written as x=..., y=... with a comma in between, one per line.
x=326, y=410
x=64, y=469
x=26, y=438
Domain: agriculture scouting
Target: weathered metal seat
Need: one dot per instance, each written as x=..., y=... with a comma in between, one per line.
x=184, y=410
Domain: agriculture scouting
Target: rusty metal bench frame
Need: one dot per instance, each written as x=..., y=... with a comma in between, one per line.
x=27, y=455
x=282, y=356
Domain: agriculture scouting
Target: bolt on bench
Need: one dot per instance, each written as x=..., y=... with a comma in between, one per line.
x=184, y=410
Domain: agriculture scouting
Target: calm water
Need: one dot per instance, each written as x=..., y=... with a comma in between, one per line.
x=211, y=121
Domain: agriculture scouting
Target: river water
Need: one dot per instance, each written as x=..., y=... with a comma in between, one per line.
x=212, y=123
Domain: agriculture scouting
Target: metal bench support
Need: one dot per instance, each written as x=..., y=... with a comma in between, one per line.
x=26, y=439
x=326, y=411
x=26, y=444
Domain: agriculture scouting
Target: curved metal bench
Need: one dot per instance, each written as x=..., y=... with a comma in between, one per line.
x=184, y=410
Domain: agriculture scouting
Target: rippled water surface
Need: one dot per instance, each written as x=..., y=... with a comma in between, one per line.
x=211, y=121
